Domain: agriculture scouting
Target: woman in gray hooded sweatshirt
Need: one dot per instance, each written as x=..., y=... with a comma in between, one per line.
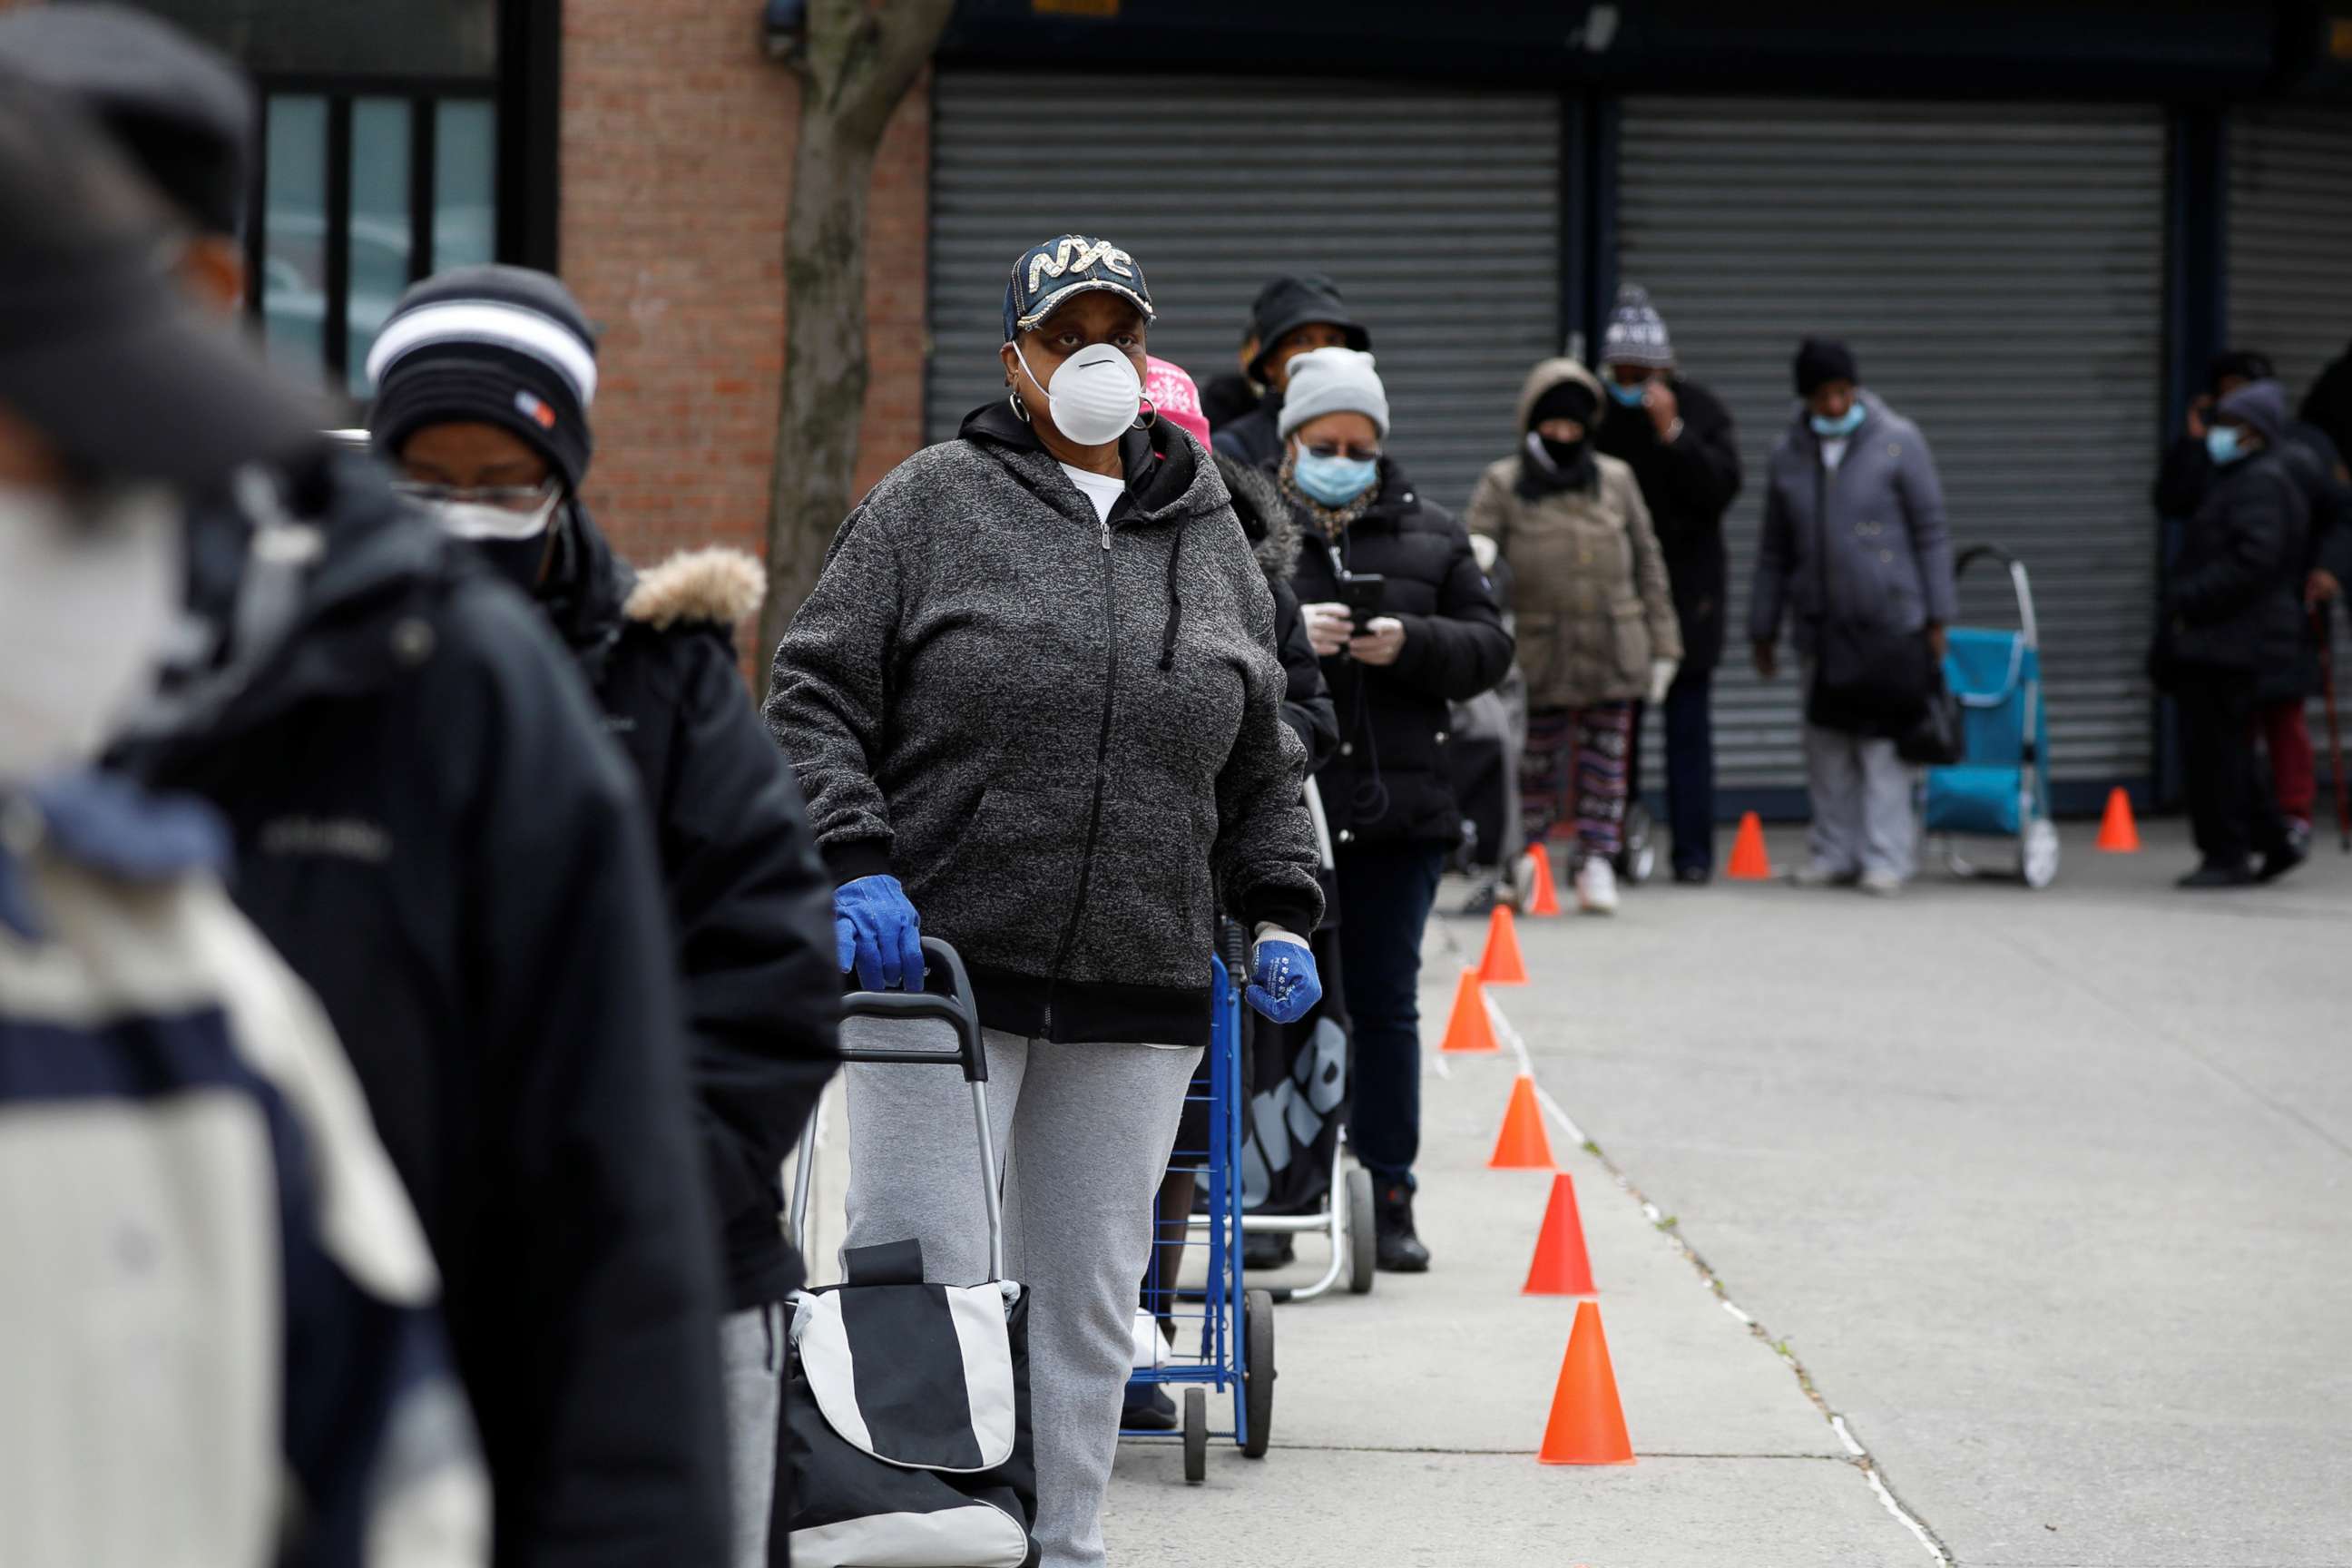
x=1033, y=701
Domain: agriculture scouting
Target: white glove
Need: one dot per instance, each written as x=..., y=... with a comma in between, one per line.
x=1661, y=675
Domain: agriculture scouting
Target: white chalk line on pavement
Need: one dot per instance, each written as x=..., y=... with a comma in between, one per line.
x=1664, y=1225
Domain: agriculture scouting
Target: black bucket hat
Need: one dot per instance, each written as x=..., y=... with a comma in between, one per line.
x=1294, y=300
x=1068, y=265
x=99, y=351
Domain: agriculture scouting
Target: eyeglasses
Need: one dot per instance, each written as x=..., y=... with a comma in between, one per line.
x=504, y=498
x=1349, y=449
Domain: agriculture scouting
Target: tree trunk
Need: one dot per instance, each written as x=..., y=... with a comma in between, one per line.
x=855, y=65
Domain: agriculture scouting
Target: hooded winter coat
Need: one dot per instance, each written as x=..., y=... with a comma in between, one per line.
x=1688, y=484
x=1590, y=601
x=1064, y=735
x=2233, y=601
x=429, y=825
x=1880, y=516
x=1393, y=779
x=1254, y=439
x=750, y=906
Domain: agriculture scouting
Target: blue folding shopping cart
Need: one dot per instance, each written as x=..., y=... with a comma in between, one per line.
x=2000, y=787
x=1215, y=1334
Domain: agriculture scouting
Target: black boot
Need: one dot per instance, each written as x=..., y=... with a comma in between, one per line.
x=1398, y=1250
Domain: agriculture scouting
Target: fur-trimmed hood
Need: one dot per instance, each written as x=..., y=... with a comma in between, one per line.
x=718, y=585
x=1273, y=531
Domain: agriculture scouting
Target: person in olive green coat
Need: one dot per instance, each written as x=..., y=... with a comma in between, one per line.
x=1595, y=615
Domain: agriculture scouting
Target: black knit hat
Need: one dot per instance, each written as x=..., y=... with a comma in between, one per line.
x=1821, y=361
x=182, y=110
x=491, y=345
x=1290, y=303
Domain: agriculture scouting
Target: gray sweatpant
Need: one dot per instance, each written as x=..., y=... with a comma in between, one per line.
x=1863, y=818
x=1082, y=1134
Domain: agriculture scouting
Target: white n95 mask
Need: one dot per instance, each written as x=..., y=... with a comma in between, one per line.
x=90, y=595
x=1093, y=396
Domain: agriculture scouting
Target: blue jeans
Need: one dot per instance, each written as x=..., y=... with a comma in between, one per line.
x=1385, y=894
x=1690, y=769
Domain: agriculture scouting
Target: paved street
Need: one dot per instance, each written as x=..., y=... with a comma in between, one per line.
x=2042, y=1194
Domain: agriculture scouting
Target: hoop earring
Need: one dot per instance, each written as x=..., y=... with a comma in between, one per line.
x=1148, y=416
x=1012, y=396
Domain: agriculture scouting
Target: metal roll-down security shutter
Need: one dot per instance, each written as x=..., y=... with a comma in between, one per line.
x=1436, y=211
x=2290, y=266
x=1997, y=271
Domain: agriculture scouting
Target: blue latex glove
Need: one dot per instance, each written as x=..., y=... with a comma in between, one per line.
x=1283, y=983
x=875, y=929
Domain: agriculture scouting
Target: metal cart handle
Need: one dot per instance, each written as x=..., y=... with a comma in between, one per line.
x=956, y=1008
x=2017, y=581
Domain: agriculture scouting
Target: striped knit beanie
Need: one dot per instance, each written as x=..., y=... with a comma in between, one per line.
x=1636, y=334
x=490, y=346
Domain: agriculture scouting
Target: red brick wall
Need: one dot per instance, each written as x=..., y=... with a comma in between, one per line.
x=677, y=151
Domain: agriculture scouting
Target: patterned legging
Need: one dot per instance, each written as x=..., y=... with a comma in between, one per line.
x=1573, y=770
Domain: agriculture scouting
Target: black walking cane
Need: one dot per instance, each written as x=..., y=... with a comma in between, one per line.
x=2335, y=735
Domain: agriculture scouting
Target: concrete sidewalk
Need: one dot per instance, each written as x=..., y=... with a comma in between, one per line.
x=1406, y=1421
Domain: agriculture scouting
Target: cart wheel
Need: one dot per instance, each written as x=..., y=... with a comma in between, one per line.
x=1363, y=1241
x=1257, y=1371
x=1196, y=1435
x=2038, y=856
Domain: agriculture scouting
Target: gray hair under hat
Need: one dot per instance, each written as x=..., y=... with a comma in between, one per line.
x=1636, y=334
x=1333, y=381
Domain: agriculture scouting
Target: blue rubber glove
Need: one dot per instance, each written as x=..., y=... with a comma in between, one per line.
x=875, y=929
x=1283, y=983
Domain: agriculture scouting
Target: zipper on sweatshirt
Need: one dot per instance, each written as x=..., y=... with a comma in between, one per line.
x=1102, y=767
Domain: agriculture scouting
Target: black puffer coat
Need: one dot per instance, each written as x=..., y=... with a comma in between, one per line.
x=2234, y=605
x=431, y=828
x=1392, y=779
x=749, y=902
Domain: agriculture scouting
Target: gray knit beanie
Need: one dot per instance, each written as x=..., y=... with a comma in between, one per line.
x=1636, y=334
x=1333, y=381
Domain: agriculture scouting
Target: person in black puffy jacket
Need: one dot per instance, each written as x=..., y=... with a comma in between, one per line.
x=2232, y=612
x=1437, y=638
x=484, y=377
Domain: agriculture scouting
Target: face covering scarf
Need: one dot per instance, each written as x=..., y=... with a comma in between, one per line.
x=1093, y=398
x=88, y=596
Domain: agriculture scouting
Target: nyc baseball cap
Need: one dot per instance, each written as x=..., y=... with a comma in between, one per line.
x=1063, y=267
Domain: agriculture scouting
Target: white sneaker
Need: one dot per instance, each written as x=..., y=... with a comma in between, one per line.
x=1817, y=874
x=1596, y=887
x=1523, y=882
x=1880, y=884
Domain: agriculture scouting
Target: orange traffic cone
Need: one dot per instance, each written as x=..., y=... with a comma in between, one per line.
x=1587, y=1424
x=1748, y=861
x=1522, y=1145
x=1560, y=1266
x=1468, y=1029
x=1502, y=964
x=1546, y=894
x=2118, y=834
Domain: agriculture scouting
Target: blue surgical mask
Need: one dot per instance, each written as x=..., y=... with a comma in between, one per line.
x=1630, y=396
x=1335, y=480
x=2222, y=444
x=1845, y=424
